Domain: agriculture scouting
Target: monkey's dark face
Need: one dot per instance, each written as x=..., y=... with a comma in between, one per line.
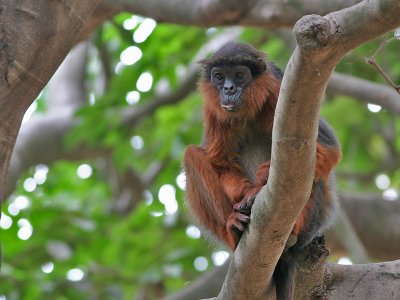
x=231, y=82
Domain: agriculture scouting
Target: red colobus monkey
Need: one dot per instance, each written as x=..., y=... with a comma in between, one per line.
x=224, y=175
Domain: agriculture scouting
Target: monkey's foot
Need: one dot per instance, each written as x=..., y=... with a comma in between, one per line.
x=237, y=221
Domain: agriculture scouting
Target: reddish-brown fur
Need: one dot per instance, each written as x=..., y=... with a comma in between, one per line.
x=326, y=158
x=218, y=167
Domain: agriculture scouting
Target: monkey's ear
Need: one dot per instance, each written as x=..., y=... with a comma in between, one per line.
x=262, y=66
x=206, y=65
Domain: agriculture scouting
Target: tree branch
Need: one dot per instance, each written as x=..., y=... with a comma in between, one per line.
x=128, y=189
x=346, y=233
x=372, y=60
x=362, y=90
x=322, y=42
x=371, y=281
x=381, y=238
x=48, y=31
x=206, y=286
x=365, y=91
x=266, y=13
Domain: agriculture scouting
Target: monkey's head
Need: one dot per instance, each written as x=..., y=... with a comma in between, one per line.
x=230, y=76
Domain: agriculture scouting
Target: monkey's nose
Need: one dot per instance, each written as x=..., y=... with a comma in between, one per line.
x=229, y=89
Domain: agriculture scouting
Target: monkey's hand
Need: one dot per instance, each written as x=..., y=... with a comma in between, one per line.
x=239, y=219
x=244, y=206
x=235, y=226
x=240, y=216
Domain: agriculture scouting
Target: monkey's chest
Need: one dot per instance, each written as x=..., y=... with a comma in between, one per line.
x=254, y=151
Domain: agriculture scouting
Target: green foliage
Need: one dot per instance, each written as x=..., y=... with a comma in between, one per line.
x=115, y=253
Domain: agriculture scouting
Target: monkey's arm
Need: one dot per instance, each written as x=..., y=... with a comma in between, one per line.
x=208, y=200
x=242, y=191
x=237, y=186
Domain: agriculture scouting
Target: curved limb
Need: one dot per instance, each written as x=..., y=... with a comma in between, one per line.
x=204, y=192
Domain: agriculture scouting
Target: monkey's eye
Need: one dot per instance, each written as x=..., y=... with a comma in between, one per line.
x=218, y=76
x=239, y=75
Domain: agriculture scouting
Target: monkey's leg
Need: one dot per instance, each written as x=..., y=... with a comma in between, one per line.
x=208, y=200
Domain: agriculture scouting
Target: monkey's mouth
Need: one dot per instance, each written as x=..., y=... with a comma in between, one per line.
x=228, y=107
x=231, y=103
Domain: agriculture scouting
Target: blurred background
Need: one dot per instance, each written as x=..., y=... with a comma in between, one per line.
x=95, y=194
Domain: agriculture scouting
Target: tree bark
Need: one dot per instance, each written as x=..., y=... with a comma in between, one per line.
x=365, y=91
x=35, y=37
x=264, y=13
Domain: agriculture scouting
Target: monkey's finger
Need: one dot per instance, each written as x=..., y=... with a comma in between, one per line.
x=239, y=226
x=244, y=206
x=250, y=202
x=242, y=218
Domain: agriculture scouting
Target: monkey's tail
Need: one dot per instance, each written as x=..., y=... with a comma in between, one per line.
x=284, y=277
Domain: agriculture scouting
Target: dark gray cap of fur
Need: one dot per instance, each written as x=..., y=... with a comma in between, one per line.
x=234, y=54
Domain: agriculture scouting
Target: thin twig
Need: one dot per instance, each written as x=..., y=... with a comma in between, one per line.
x=372, y=61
